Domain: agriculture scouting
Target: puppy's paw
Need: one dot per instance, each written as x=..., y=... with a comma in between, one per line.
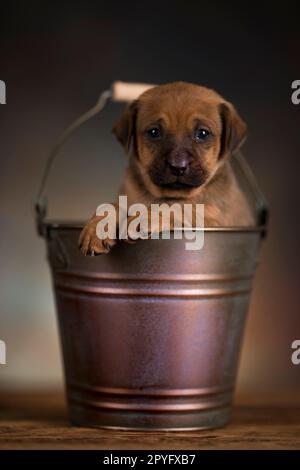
x=91, y=245
x=149, y=226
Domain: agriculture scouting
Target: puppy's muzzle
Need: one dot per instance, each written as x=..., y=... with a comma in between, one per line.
x=177, y=169
x=179, y=162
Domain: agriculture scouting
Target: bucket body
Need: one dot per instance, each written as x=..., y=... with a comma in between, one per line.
x=151, y=332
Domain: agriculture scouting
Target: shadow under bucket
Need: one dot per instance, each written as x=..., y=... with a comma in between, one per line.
x=151, y=332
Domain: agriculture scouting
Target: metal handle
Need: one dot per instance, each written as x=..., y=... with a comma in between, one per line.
x=119, y=92
x=251, y=189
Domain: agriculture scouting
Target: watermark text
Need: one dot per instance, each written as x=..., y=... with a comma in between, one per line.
x=2, y=352
x=139, y=221
x=2, y=92
x=295, y=358
x=296, y=92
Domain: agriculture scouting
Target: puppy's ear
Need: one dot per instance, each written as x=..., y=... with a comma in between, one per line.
x=234, y=129
x=124, y=128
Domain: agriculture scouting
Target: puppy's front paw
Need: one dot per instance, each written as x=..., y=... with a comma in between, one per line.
x=150, y=226
x=90, y=244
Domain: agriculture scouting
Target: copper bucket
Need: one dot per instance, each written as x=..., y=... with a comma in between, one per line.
x=151, y=332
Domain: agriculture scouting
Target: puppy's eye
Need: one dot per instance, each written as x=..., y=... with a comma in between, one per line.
x=154, y=133
x=201, y=134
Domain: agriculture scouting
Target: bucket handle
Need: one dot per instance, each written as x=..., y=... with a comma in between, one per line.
x=252, y=190
x=119, y=92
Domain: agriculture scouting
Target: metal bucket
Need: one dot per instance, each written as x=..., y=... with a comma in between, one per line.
x=151, y=332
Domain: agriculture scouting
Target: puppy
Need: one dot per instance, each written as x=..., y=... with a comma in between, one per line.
x=179, y=138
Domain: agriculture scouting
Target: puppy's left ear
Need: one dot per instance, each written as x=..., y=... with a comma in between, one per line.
x=124, y=128
x=234, y=129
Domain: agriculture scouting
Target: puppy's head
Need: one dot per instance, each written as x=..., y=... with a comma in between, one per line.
x=180, y=135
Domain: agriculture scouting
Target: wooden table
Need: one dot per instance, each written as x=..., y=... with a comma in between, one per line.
x=39, y=421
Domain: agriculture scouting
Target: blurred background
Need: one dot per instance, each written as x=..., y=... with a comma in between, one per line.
x=55, y=59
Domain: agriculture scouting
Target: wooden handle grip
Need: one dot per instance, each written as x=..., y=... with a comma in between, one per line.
x=123, y=91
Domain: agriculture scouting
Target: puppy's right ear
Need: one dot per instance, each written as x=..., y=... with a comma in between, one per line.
x=124, y=128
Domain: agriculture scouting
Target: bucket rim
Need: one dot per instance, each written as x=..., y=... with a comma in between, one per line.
x=71, y=225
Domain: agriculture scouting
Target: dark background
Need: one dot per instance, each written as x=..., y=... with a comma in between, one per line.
x=55, y=59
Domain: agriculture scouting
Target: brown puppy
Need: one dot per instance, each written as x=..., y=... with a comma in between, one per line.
x=179, y=137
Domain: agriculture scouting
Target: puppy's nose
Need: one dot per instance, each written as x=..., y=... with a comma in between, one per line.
x=178, y=170
x=179, y=164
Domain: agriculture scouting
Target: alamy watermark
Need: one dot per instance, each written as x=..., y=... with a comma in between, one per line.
x=295, y=358
x=2, y=92
x=139, y=221
x=2, y=352
x=296, y=92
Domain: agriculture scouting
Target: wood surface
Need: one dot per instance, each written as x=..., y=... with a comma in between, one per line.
x=40, y=421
